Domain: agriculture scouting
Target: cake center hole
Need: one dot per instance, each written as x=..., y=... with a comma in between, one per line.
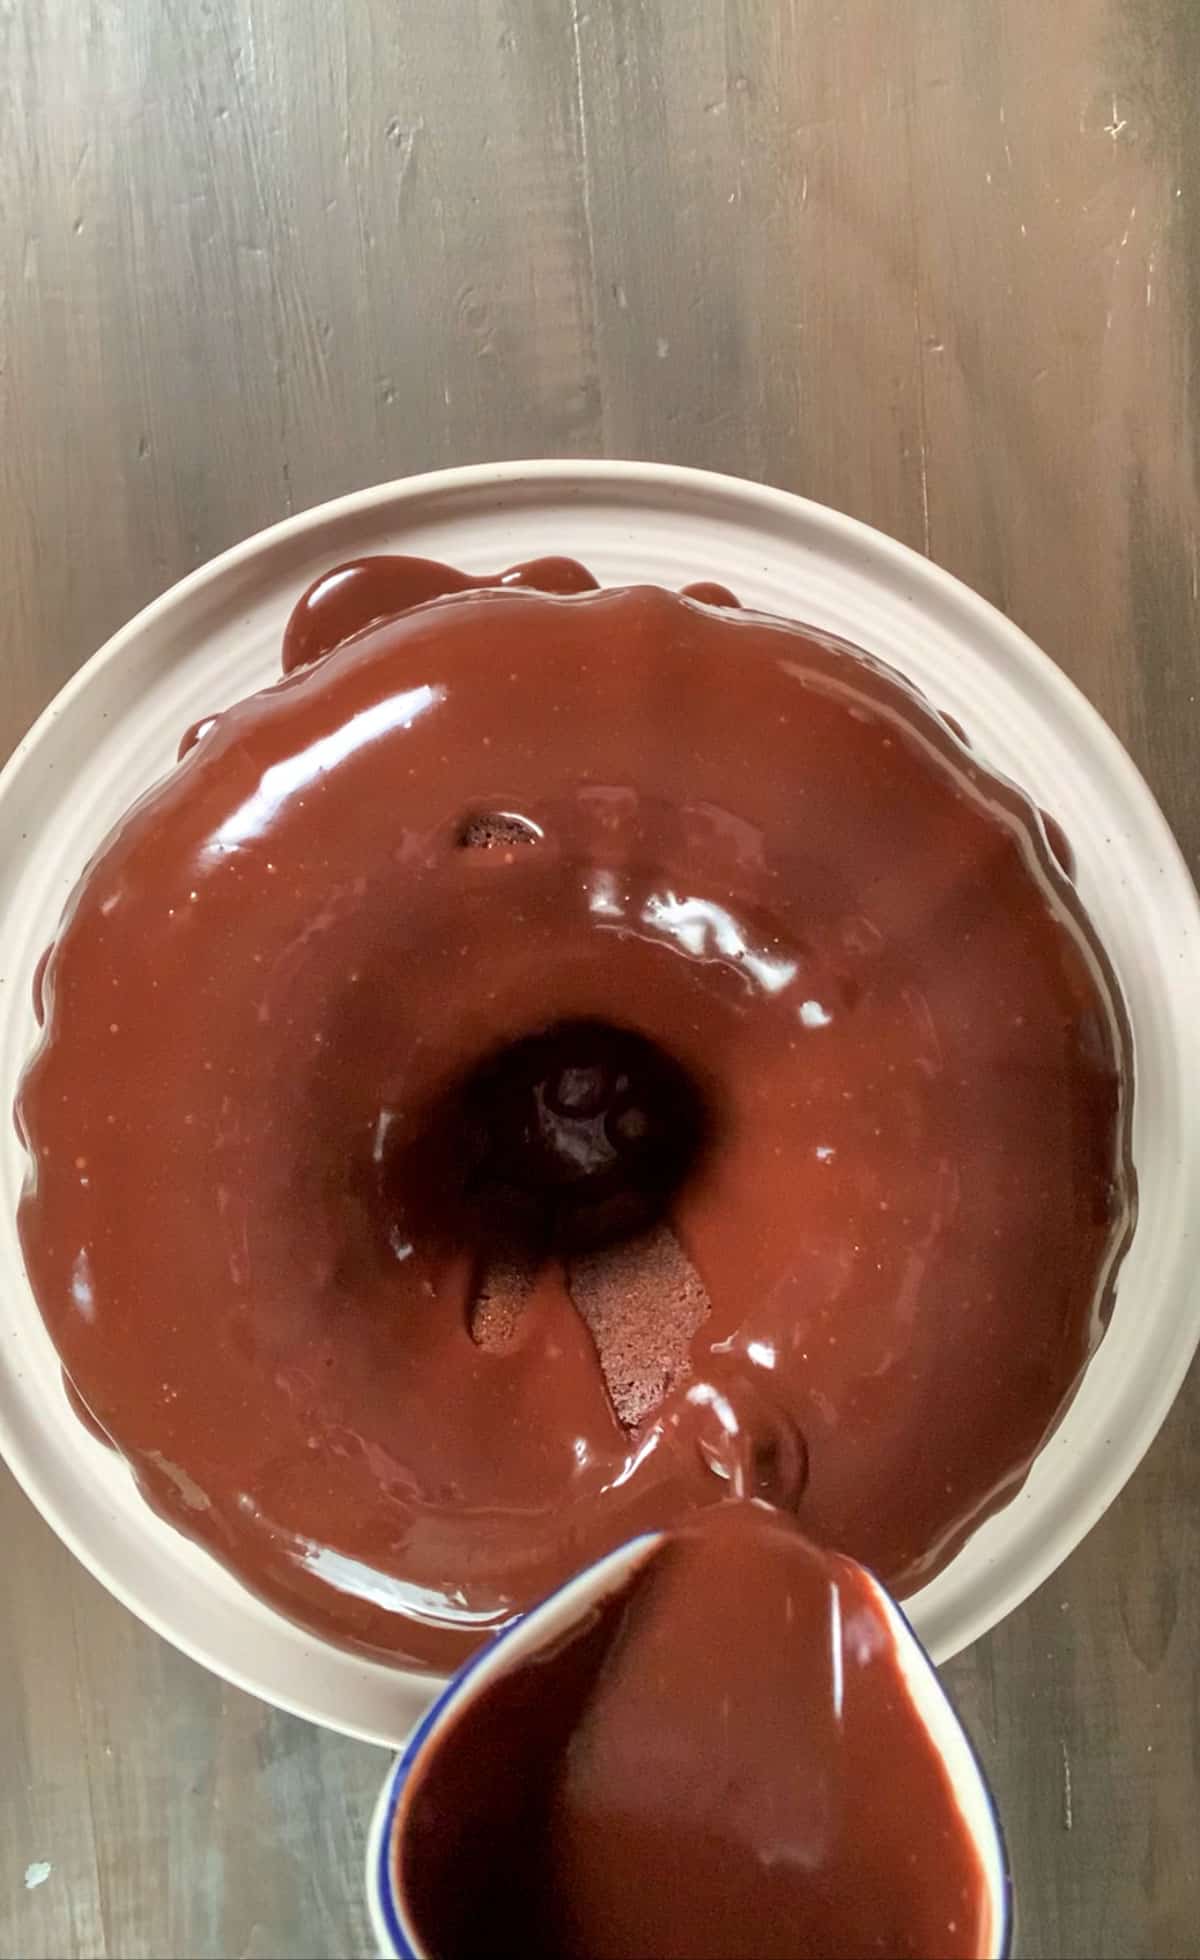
x=581, y=1136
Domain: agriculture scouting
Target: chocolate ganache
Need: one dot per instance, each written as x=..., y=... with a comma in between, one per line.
x=724, y=1758
x=549, y=1033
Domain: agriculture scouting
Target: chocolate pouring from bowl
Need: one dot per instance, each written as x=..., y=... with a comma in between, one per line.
x=718, y=1739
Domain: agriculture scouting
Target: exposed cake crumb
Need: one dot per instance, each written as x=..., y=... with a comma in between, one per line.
x=499, y=1304
x=497, y=830
x=641, y=1302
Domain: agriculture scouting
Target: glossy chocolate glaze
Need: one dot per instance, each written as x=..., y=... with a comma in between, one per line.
x=725, y=1760
x=254, y=1219
x=365, y=590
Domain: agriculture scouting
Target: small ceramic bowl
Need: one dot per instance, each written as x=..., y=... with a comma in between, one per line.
x=545, y=1628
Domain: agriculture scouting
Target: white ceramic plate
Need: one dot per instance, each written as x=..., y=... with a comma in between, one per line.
x=214, y=637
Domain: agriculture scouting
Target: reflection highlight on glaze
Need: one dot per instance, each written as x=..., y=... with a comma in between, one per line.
x=82, y=1291
x=813, y=1015
x=366, y=1582
x=705, y=930
x=285, y=780
x=603, y=898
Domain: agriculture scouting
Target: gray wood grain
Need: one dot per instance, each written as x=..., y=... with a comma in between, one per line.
x=936, y=262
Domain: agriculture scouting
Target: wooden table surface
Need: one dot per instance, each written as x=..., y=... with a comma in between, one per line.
x=935, y=262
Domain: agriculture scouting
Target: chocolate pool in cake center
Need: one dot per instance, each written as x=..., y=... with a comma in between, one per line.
x=556, y=1054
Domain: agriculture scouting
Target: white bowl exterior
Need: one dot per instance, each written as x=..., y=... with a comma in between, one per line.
x=114, y=729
